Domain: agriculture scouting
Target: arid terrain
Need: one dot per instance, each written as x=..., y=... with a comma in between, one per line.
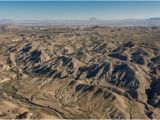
x=80, y=72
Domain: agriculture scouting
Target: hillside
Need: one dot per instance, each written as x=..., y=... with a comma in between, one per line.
x=80, y=72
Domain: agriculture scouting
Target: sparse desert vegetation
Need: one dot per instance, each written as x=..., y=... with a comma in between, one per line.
x=80, y=72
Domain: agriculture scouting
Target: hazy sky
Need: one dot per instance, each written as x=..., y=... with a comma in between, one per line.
x=66, y=10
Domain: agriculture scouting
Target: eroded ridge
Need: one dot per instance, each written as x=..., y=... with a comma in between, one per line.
x=80, y=73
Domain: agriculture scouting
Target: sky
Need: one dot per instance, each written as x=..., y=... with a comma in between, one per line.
x=78, y=10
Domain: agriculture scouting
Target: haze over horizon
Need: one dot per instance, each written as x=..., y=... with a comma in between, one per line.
x=78, y=10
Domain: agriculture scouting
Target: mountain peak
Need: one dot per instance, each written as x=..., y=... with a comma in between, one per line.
x=155, y=18
x=93, y=19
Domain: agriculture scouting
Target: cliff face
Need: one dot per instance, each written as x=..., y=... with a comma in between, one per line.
x=80, y=73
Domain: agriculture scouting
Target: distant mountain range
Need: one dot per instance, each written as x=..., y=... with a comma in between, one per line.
x=5, y=21
x=92, y=21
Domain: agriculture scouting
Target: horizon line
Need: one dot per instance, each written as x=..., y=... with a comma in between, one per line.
x=92, y=19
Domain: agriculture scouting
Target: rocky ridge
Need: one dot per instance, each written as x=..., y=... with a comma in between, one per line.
x=73, y=75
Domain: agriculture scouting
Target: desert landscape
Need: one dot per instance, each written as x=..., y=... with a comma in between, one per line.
x=79, y=72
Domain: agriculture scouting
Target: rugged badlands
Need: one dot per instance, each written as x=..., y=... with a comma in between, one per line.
x=80, y=72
